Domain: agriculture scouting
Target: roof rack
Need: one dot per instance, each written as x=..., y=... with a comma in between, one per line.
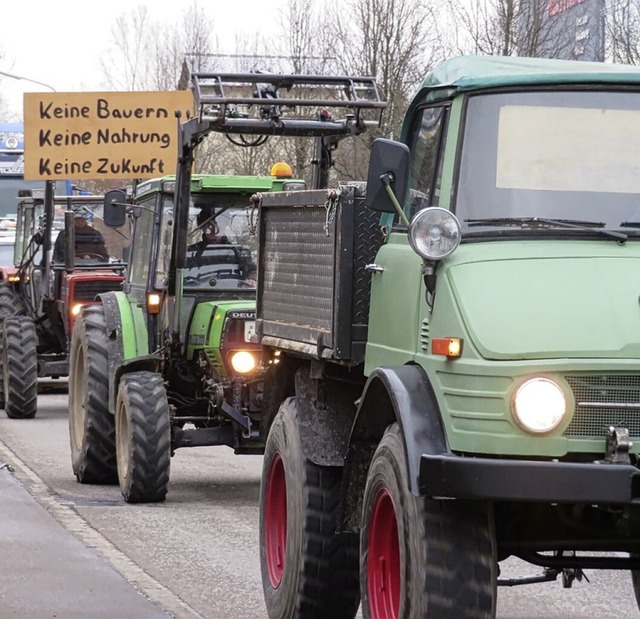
x=293, y=105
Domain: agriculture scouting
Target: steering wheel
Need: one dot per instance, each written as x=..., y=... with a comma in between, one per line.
x=91, y=256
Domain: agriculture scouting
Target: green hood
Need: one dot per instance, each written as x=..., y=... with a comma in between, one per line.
x=554, y=299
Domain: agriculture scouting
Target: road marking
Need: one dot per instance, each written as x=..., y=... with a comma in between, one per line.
x=90, y=537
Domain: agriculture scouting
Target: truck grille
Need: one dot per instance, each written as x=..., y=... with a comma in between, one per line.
x=603, y=401
x=89, y=290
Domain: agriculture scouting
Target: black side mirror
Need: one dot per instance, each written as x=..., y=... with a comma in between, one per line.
x=388, y=166
x=115, y=208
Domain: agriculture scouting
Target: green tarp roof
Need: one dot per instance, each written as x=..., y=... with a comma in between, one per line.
x=466, y=73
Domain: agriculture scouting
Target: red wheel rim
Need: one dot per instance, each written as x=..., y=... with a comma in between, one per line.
x=383, y=562
x=275, y=521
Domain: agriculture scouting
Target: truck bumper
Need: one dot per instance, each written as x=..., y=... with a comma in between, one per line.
x=456, y=477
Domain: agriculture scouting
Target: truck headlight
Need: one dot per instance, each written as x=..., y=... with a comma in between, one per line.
x=243, y=362
x=539, y=405
x=434, y=233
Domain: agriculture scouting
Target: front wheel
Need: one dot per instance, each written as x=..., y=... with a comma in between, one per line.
x=143, y=437
x=420, y=557
x=308, y=570
x=20, y=367
x=92, y=428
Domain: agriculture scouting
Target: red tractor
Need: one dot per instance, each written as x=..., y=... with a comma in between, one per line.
x=63, y=258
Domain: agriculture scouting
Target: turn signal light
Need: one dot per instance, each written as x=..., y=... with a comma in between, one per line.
x=448, y=346
x=153, y=303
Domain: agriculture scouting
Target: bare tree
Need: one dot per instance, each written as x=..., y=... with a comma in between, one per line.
x=148, y=55
x=126, y=66
x=622, y=27
x=510, y=27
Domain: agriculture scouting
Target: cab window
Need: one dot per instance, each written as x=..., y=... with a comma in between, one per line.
x=426, y=141
x=143, y=245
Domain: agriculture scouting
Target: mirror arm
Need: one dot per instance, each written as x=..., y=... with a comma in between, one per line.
x=387, y=179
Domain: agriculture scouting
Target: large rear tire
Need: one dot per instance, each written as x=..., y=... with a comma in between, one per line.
x=308, y=571
x=20, y=367
x=10, y=305
x=92, y=430
x=143, y=437
x=422, y=558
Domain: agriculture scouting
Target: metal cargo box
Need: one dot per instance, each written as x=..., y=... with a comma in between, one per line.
x=313, y=289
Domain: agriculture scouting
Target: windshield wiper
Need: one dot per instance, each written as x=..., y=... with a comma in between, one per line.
x=541, y=222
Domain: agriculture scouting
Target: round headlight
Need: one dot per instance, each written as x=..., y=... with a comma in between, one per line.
x=434, y=233
x=539, y=405
x=243, y=362
x=12, y=142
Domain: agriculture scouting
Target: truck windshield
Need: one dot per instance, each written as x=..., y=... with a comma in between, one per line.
x=554, y=155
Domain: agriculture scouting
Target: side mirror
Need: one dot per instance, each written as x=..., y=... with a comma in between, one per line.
x=388, y=165
x=115, y=208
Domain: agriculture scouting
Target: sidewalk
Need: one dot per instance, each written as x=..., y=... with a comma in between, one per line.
x=46, y=572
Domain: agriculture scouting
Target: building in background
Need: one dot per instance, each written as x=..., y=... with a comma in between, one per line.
x=566, y=29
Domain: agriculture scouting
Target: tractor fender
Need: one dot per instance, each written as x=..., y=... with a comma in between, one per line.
x=120, y=329
x=403, y=394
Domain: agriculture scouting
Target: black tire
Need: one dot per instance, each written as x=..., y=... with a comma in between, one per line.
x=143, y=437
x=20, y=367
x=92, y=430
x=10, y=305
x=308, y=571
x=433, y=558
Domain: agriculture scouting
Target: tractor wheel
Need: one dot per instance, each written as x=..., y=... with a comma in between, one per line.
x=10, y=305
x=20, y=367
x=92, y=430
x=143, y=437
x=308, y=571
x=420, y=557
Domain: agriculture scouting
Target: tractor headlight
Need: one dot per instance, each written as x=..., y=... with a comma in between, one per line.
x=243, y=362
x=75, y=309
x=539, y=405
x=434, y=233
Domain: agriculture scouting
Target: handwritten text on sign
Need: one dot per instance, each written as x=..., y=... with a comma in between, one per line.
x=93, y=135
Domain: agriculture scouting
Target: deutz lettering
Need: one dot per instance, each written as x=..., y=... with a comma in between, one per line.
x=125, y=166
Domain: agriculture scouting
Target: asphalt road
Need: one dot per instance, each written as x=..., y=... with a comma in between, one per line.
x=196, y=555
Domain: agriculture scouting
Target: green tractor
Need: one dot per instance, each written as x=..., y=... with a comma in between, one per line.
x=171, y=361
x=167, y=397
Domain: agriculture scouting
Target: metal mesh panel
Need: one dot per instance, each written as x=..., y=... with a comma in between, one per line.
x=298, y=261
x=603, y=401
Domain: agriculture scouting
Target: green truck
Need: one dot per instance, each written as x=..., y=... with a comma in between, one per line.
x=458, y=376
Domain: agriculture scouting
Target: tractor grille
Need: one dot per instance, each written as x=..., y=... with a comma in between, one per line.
x=89, y=290
x=604, y=401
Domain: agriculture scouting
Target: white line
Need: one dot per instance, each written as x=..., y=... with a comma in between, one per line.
x=78, y=526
